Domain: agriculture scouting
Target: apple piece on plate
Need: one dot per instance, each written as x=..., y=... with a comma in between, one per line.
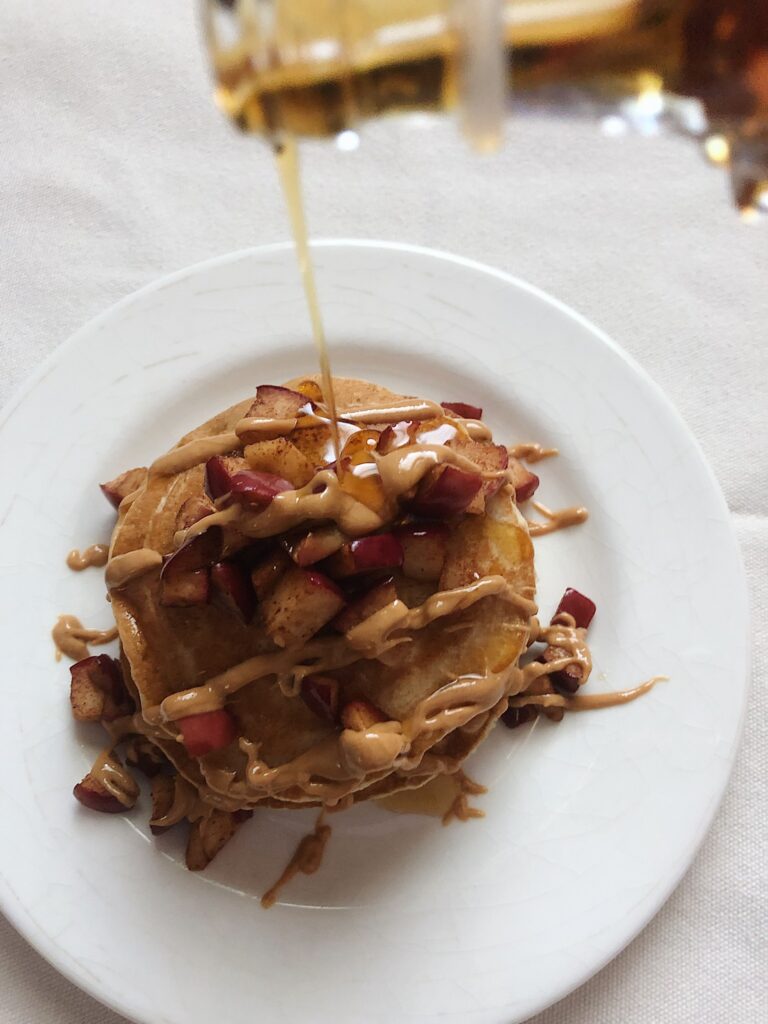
x=577, y=605
x=276, y=402
x=97, y=691
x=424, y=548
x=193, y=510
x=90, y=793
x=209, y=835
x=316, y=545
x=251, y=487
x=445, y=491
x=376, y=551
x=183, y=588
x=300, y=604
x=523, y=480
x=513, y=717
x=372, y=601
x=268, y=571
x=321, y=695
x=231, y=583
x=210, y=730
x=360, y=715
x=162, y=791
x=282, y=458
x=115, y=490
x=463, y=409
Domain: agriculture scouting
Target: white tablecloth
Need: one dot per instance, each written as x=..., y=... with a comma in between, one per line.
x=115, y=169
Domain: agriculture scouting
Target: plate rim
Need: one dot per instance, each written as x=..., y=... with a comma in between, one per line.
x=14, y=909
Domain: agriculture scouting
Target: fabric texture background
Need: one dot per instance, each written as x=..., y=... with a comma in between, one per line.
x=116, y=169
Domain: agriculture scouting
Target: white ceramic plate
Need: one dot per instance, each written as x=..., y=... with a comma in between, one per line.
x=590, y=823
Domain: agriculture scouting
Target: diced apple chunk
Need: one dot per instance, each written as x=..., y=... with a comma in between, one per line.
x=376, y=551
x=193, y=510
x=219, y=470
x=523, y=480
x=360, y=715
x=268, y=571
x=300, y=604
x=208, y=836
x=367, y=604
x=577, y=605
x=97, y=691
x=282, y=458
x=315, y=545
x=463, y=409
x=491, y=458
x=90, y=793
x=232, y=586
x=445, y=492
x=184, y=588
x=206, y=732
x=424, y=548
x=115, y=490
x=277, y=402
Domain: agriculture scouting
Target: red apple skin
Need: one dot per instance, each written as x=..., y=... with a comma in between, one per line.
x=523, y=480
x=424, y=549
x=192, y=511
x=198, y=553
x=321, y=695
x=97, y=799
x=219, y=470
x=376, y=551
x=445, y=492
x=513, y=717
x=206, y=732
x=463, y=409
x=367, y=604
x=115, y=490
x=231, y=584
x=252, y=487
x=577, y=605
x=97, y=690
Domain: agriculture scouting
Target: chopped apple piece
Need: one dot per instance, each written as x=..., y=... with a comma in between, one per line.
x=446, y=491
x=93, y=795
x=192, y=511
x=424, y=548
x=162, y=791
x=580, y=607
x=315, y=444
x=282, y=458
x=208, y=836
x=232, y=585
x=463, y=409
x=219, y=470
x=206, y=732
x=277, y=402
x=491, y=458
x=199, y=552
x=250, y=487
x=523, y=480
x=368, y=604
x=300, y=604
x=321, y=695
x=513, y=717
x=115, y=490
x=268, y=571
x=315, y=545
x=183, y=588
x=97, y=691
x=360, y=715
x=376, y=551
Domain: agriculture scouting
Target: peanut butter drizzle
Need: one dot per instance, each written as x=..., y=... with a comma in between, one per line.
x=115, y=778
x=306, y=860
x=372, y=636
x=532, y=452
x=415, y=409
x=587, y=701
x=477, y=430
x=265, y=427
x=556, y=520
x=194, y=452
x=565, y=635
x=460, y=809
x=327, y=653
x=95, y=555
x=71, y=637
x=121, y=569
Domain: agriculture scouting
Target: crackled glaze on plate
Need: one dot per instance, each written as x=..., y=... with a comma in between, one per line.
x=589, y=824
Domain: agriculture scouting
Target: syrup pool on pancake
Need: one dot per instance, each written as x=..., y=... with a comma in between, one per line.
x=308, y=620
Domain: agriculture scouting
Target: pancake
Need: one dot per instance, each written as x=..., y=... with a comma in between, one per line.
x=438, y=684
